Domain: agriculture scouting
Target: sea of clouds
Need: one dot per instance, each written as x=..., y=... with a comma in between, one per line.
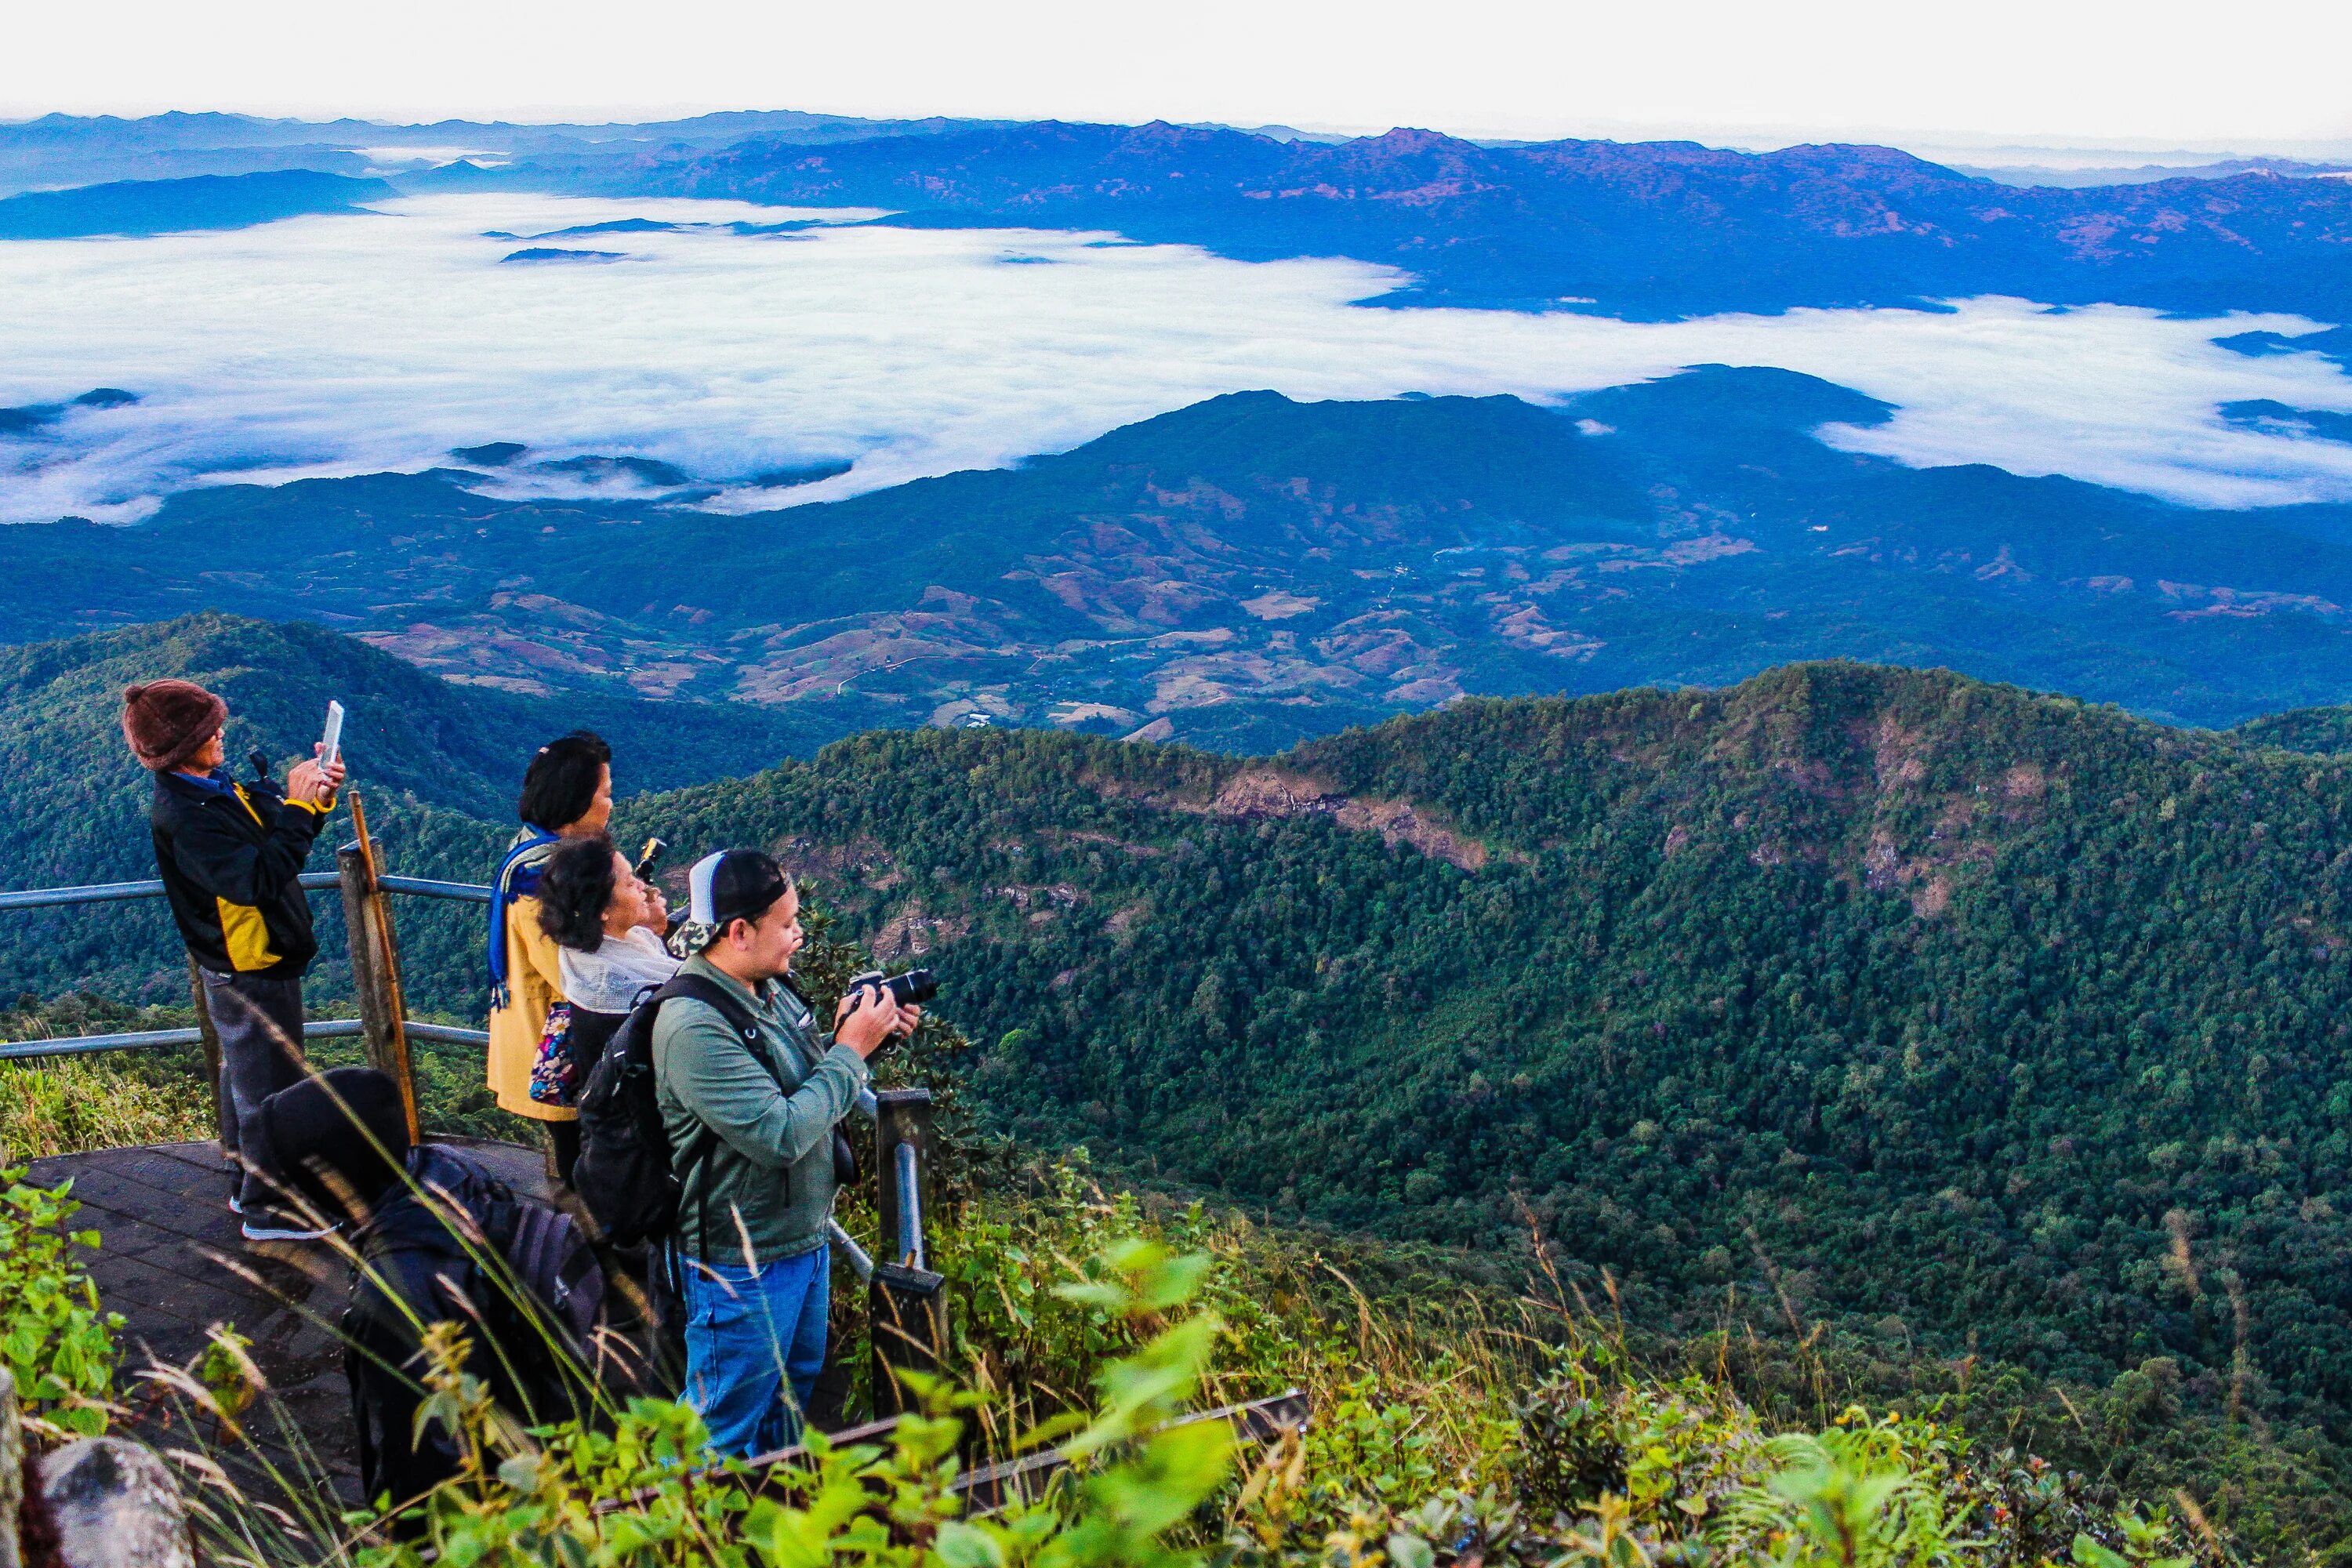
x=380, y=340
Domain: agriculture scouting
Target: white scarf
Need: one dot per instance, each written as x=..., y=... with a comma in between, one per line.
x=610, y=979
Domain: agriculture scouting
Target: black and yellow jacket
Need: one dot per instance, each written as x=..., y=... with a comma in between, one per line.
x=230, y=853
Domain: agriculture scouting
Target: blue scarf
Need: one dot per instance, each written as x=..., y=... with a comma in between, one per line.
x=517, y=877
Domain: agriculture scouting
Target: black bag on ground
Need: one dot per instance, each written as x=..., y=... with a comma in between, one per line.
x=456, y=1244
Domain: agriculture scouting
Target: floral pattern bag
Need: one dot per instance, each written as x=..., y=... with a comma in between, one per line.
x=555, y=1071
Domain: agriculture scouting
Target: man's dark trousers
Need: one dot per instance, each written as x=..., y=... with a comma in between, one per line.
x=259, y=1021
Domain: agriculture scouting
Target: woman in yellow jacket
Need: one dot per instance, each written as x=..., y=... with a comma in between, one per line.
x=567, y=793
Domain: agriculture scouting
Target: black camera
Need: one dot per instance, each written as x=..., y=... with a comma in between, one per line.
x=911, y=989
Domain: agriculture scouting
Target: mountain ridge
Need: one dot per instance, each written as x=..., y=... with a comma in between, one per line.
x=1641, y=230
x=144, y=208
x=1256, y=570
x=1940, y=996
x=1649, y=230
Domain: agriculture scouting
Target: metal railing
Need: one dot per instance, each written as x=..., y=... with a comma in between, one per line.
x=150, y=1039
x=312, y=881
x=312, y=1029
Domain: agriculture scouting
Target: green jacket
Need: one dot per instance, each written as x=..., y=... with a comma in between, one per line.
x=772, y=1162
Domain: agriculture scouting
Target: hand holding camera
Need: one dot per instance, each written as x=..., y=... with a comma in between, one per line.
x=887, y=1009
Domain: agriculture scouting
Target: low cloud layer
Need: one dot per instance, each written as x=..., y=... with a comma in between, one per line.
x=348, y=344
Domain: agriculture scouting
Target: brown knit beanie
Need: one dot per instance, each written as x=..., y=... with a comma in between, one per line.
x=168, y=721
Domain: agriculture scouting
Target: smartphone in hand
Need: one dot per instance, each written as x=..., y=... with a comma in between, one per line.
x=332, y=741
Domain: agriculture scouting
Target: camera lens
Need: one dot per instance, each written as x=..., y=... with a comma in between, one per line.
x=914, y=988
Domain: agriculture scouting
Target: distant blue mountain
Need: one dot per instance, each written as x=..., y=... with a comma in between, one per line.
x=58, y=149
x=1635, y=229
x=2335, y=343
x=489, y=455
x=35, y=416
x=2267, y=414
x=1642, y=231
x=551, y=253
x=169, y=206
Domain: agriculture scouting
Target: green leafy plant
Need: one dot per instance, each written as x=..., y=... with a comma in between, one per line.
x=58, y=1344
x=640, y=1488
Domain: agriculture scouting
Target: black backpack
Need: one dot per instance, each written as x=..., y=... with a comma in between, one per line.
x=528, y=1314
x=627, y=1174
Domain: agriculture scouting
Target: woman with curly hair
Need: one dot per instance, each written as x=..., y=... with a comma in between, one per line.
x=606, y=923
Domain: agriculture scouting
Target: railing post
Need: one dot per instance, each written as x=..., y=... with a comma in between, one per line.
x=211, y=1039
x=902, y=1118
x=376, y=973
x=906, y=1301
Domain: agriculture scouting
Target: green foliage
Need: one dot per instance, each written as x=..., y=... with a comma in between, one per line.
x=641, y=1490
x=1967, y=1021
x=59, y=1345
x=1428, y=1436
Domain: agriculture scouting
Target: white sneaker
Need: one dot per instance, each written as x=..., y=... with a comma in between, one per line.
x=270, y=1226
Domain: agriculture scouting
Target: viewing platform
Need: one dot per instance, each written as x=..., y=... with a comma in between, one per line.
x=171, y=1258
x=172, y=1261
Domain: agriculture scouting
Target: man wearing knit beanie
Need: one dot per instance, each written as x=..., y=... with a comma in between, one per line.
x=231, y=856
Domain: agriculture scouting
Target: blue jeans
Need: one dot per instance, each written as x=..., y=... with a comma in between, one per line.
x=754, y=1344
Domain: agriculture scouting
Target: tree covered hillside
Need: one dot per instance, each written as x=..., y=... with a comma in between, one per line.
x=1972, y=1022
x=2003, y=1023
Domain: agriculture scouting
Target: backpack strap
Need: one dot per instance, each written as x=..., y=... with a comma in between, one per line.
x=739, y=1018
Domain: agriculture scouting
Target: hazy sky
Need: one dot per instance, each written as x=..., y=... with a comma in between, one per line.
x=2152, y=73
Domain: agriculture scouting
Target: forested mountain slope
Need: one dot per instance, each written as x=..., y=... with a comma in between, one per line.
x=2314, y=729
x=2012, y=1022
x=1973, y=1021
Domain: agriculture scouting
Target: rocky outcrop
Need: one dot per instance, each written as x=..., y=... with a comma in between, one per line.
x=96, y=1503
x=105, y=1502
x=12, y=1472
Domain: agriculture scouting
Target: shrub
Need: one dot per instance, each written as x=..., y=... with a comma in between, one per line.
x=59, y=1345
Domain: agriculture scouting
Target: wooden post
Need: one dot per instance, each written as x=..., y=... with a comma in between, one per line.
x=908, y=1321
x=375, y=963
x=221, y=1111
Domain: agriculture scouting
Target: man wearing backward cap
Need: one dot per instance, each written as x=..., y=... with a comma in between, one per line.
x=751, y=1214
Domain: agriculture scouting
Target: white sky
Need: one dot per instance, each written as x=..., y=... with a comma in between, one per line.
x=2252, y=75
